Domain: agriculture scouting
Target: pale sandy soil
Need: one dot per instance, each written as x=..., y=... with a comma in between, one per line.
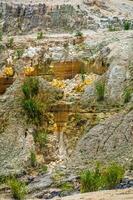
x=126, y=194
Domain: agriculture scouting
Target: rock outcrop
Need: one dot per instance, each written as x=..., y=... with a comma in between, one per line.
x=18, y=17
x=110, y=141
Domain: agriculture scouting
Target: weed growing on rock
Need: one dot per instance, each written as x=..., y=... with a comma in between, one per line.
x=113, y=175
x=111, y=28
x=33, y=160
x=127, y=95
x=100, y=90
x=40, y=35
x=127, y=25
x=66, y=187
x=82, y=73
x=33, y=110
x=1, y=35
x=41, y=138
x=1, y=47
x=19, y=53
x=30, y=104
x=10, y=42
x=30, y=87
x=18, y=189
x=91, y=180
x=78, y=34
x=101, y=178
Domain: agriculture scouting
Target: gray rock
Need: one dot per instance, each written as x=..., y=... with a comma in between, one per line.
x=107, y=142
x=116, y=82
x=40, y=182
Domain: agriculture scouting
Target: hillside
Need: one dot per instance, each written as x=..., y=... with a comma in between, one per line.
x=66, y=99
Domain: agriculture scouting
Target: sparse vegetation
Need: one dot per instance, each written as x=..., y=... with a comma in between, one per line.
x=100, y=90
x=127, y=95
x=66, y=186
x=33, y=160
x=127, y=25
x=91, y=180
x=30, y=103
x=30, y=87
x=1, y=35
x=33, y=109
x=113, y=175
x=10, y=42
x=40, y=35
x=82, y=72
x=1, y=46
x=111, y=28
x=18, y=188
x=43, y=169
x=19, y=53
x=101, y=178
x=78, y=34
x=40, y=138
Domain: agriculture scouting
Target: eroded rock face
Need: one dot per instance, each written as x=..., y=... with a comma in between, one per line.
x=23, y=17
x=116, y=82
x=109, y=141
x=26, y=17
x=16, y=141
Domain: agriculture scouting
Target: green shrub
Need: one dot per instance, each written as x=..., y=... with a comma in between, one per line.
x=78, y=34
x=19, y=53
x=82, y=73
x=30, y=87
x=33, y=160
x=41, y=138
x=2, y=179
x=127, y=25
x=127, y=95
x=1, y=47
x=43, y=169
x=1, y=35
x=100, y=90
x=33, y=109
x=40, y=35
x=10, y=42
x=111, y=28
x=18, y=189
x=114, y=174
x=101, y=178
x=66, y=186
x=91, y=180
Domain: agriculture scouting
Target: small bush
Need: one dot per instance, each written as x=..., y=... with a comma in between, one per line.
x=10, y=42
x=30, y=87
x=1, y=35
x=127, y=25
x=66, y=187
x=82, y=73
x=19, y=53
x=41, y=138
x=18, y=189
x=100, y=90
x=101, y=178
x=111, y=28
x=33, y=160
x=127, y=95
x=3, y=179
x=78, y=34
x=114, y=174
x=43, y=169
x=1, y=47
x=33, y=109
x=91, y=180
x=40, y=35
